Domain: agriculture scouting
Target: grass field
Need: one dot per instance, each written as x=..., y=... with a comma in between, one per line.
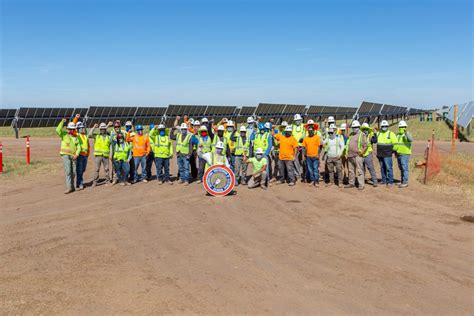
x=17, y=167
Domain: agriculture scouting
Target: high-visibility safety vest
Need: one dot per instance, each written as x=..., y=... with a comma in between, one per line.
x=242, y=148
x=122, y=151
x=217, y=139
x=385, y=138
x=182, y=145
x=326, y=145
x=403, y=145
x=359, y=145
x=298, y=132
x=216, y=160
x=69, y=144
x=206, y=144
x=261, y=141
x=161, y=146
x=84, y=142
x=102, y=145
x=230, y=143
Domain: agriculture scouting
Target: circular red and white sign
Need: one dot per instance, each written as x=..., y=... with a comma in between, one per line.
x=219, y=180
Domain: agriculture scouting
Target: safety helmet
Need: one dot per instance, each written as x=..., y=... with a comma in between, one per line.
x=288, y=129
x=191, y=120
x=204, y=120
x=284, y=123
x=79, y=125
x=355, y=123
x=297, y=117
x=364, y=126
x=183, y=126
x=224, y=120
x=331, y=119
x=139, y=127
x=203, y=128
x=310, y=122
x=250, y=120
x=259, y=151
x=402, y=124
x=230, y=123
x=128, y=123
x=103, y=126
x=343, y=126
x=261, y=126
x=197, y=123
x=220, y=128
x=267, y=125
x=243, y=129
x=71, y=125
x=161, y=126
x=220, y=145
x=384, y=123
x=152, y=126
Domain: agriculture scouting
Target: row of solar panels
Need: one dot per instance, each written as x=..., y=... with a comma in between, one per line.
x=465, y=114
x=47, y=117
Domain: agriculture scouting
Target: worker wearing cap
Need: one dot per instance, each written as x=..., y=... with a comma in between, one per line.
x=355, y=150
x=81, y=163
x=242, y=149
x=368, y=159
x=140, y=149
x=311, y=145
x=403, y=150
x=299, y=133
x=216, y=157
x=129, y=134
x=150, y=159
x=385, y=142
x=288, y=154
x=101, y=151
x=162, y=148
x=122, y=155
x=333, y=146
x=184, y=149
x=259, y=169
x=70, y=150
x=229, y=131
x=205, y=143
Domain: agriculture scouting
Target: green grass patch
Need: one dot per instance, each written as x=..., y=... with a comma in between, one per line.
x=34, y=132
x=16, y=167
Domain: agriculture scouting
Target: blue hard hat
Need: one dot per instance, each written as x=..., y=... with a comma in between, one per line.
x=261, y=126
x=139, y=128
x=152, y=126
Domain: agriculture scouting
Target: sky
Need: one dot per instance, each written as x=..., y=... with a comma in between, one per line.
x=153, y=53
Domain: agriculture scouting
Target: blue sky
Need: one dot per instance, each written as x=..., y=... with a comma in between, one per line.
x=104, y=52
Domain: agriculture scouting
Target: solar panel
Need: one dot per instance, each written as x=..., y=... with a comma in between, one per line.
x=7, y=116
x=269, y=109
x=219, y=111
x=190, y=110
x=464, y=115
x=315, y=110
x=148, y=115
x=42, y=117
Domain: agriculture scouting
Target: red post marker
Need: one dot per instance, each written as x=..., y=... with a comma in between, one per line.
x=28, y=149
x=1, y=157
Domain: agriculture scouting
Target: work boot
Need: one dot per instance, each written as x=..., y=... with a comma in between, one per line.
x=291, y=184
x=127, y=183
x=389, y=185
x=263, y=186
x=145, y=181
x=169, y=182
x=360, y=188
x=403, y=185
x=349, y=186
x=186, y=183
x=94, y=184
x=328, y=184
x=160, y=182
x=69, y=191
x=316, y=184
x=375, y=184
x=199, y=181
x=81, y=187
x=115, y=182
x=122, y=183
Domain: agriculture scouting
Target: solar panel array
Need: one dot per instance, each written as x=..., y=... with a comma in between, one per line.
x=42, y=117
x=7, y=116
x=465, y=114
x=321, y=112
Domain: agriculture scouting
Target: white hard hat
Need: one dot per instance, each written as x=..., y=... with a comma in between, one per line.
x=365, y=125
x=259, y=151
x=332, y=126
x=288, y=129
x=184, y=126
x=384, y=123
x=402, y=124
x=196, y=123
x=161, y=126
x=71, y=125
x=250, y=119
x=310, y=122
x=128, y=123
x=243, y=129
x=103, y=126
x=268, y=125
x=224, y=120
x=343, y=126
x=297, y=117
x=203, y=128
x=331, y=119
x=355, y=123
x=220, y=145
x=230, y=123
x=204, y=120
x=221, y=128
x=80, y=125
x=191, y=120
x=284, y=123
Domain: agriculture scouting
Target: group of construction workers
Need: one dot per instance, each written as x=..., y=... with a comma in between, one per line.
x=283, y=153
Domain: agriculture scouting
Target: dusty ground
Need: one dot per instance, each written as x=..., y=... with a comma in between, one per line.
x=171, y=249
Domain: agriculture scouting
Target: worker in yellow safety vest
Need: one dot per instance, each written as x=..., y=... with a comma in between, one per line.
x=162, y=147
x=242, y=149
x=70, y=150
x=299, y=133
x=368, y=158
x=403, y=150
x=101, y=151
x=122, y=154
x=385, y=142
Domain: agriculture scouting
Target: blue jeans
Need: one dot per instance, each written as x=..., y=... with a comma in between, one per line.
x=162, y=163
x=122, y=168
x=81, y=165
x=232, y=163
x=313, y=168
x=403, y=165
x=140, y=161
x=386, y=169
x=183, y=166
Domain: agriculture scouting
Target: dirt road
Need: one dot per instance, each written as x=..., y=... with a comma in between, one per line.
x=170, y=249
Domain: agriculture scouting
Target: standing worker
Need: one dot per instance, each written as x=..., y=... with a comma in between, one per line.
x=184, y=148
x=140, y=149
x=242, y=149
x=70, y=150
x=81, y=163
x=368, y=158
x=276, y=150
x=150, y=159
x=299, y=133
x=288, y=154
x=334, y=149
x=216, y=157
x=162, y=148
x=122, y=154
x=403, y=150
x=101, y=151
x=205, y=143
x=130, y=133
x=385, y=142
x=355, y=151
x=259, y=169
x=311, y=144
x=230, y=130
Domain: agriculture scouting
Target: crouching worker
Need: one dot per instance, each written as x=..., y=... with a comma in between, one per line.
x=70, y=150
x=259, y=169
x=122, y=155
